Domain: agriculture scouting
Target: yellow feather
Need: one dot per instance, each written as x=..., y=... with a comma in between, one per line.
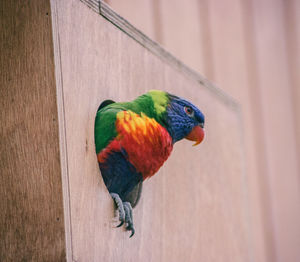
x=132, y=125
x=126, y=127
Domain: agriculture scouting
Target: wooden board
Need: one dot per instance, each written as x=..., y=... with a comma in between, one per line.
x=251, y=50
x=281, y=161
x=139, y=10
x=182, y=31
x=31, y=217
x=195, y=208
x=232, y=55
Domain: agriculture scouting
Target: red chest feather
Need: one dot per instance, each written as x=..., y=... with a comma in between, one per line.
x=146, y=142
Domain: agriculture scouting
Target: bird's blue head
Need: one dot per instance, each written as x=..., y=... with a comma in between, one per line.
x=184, y=120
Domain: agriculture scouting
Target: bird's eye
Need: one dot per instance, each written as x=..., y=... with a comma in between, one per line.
x=189, y=111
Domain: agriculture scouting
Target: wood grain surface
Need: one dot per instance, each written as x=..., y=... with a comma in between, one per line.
x=276, y=88
x=195, y=208
x=251, y=50
x=31, y=216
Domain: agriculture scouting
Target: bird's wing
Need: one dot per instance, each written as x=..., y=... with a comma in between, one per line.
x=105, y=126
x=120, y=176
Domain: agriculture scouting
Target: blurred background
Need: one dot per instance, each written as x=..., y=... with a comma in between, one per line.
x=250, y=49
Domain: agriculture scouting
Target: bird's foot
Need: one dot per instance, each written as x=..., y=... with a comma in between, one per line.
x=125, y=213
x=120, y=208
x=128, y=217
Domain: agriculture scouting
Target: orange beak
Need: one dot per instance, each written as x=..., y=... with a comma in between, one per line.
x=197, y=134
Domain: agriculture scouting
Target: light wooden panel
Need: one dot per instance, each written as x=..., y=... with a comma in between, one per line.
x=232, y=54
x=228, y=49
x=223, y=47
x=182, y=31
x=292, y=29
x=140, y=13
x=31, y=217
x=279, y=139
x=195, y=208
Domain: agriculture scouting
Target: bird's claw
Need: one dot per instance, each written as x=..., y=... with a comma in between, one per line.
x=120, y=208
x=128, y=217
x=125, y=213
x=121, y=224
x=130, y=228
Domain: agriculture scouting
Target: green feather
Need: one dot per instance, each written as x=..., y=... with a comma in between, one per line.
x=160, y=100
x=153, y=104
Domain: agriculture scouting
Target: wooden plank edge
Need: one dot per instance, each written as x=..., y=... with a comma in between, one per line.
x=244, y=177
x=109, y=14
x=62, y=130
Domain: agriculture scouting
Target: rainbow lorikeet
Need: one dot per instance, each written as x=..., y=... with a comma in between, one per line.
x=134, y=139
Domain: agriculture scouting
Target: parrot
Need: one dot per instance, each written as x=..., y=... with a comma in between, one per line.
x=134, y=139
